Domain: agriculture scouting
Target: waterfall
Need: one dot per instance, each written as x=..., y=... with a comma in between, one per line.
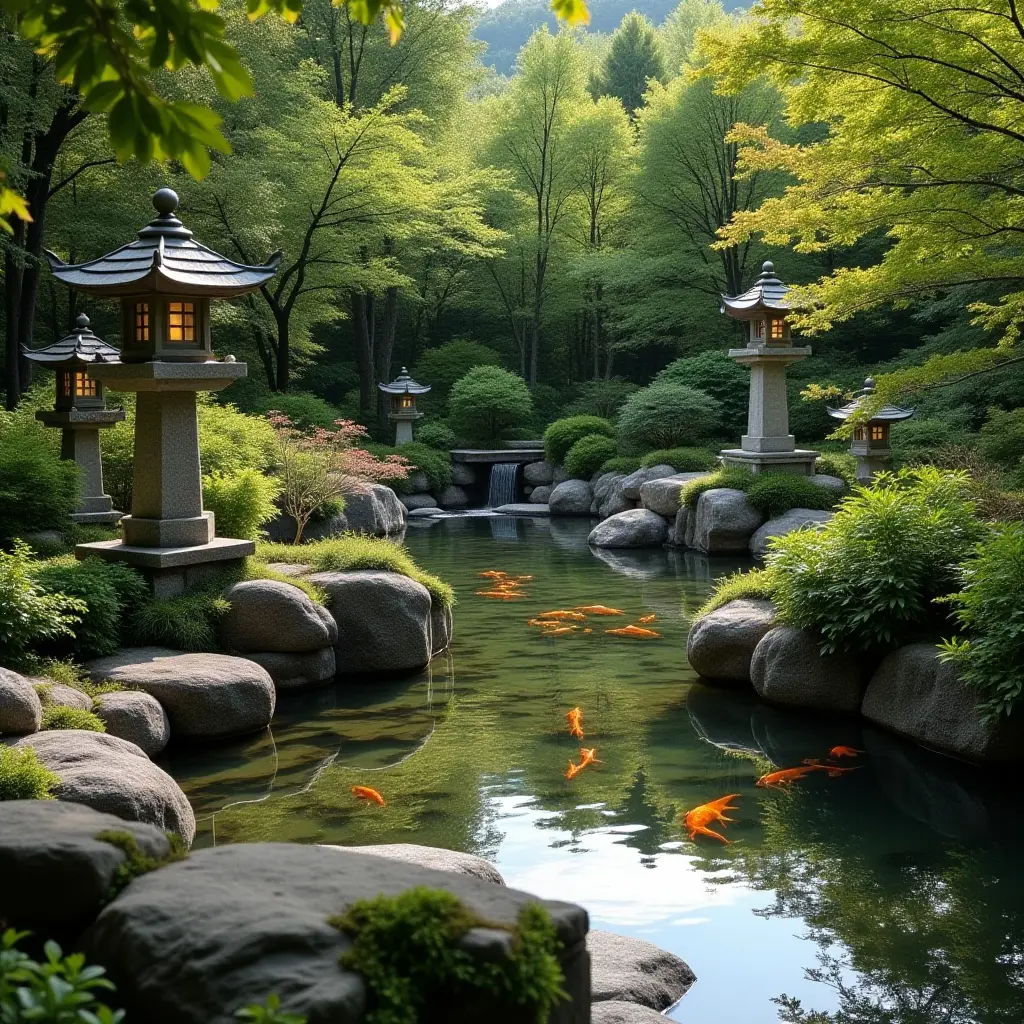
x=502, y=489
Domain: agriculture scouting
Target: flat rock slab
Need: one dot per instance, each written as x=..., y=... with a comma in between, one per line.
x=297, y=671
x=196, y=940
x=634, y=528
x=55, y=871
x=524, y=509
x=268, y=615
x=137, y=717
x=721, y=644
x=433, y=857
x=624, y=1013
x=665, y=494
x=623, y=969
x=631, y=484
x=21, y=710
x=113, y=776
x=206, y=696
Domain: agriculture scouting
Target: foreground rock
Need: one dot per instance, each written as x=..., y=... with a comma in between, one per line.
x=570, y=498
x=61, y=693
x=113, y=776
x=243, y=920
x=432, y=857
x=915, y=694
x=136, y=717
x=632, y=483
x=415, y=501
x=297, y=671
x=794, y=519
x=206, y=696
x=268, y=615
x=721, y=645
x=540, y=495
x=56, y=872
x=788, y=669
x=665, y=494
x=624, y=1013
x=723, y=522
x=375, y=510
x=629, y=970
x=608, y=498
x=635, y=528
x=21, y=710
x=677, y=531
x=539, y=474
x=442, y=626
x=383, y=621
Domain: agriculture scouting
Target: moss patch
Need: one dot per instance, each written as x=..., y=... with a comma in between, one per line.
x=23, y=776
x=137, y=861
x=735, y=477
x=60, y=716
x=756, y=584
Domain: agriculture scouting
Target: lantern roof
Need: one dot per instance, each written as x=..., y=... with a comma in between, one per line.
x=888, y=413
x=80, y=348
x=164, y=258
x=766, y=295
x=403, y=384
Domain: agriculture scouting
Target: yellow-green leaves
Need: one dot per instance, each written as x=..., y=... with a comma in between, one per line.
x=11, y=204
x=572, y=12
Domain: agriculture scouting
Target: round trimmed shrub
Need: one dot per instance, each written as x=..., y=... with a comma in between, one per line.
x=587, y=455
x=682, y=460
x=716, y=375
x=436, y=465
x=564, y=433
x=441, y=367
x=437, y=434
x=621, y=464
x=666, y=415
x=775, y=493
x=488, y=404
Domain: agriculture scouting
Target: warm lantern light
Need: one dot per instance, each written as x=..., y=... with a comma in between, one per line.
x=778, y=330
x=871, y=439
x=142, y=321
x=181, y=323
x=407, y=401
x=879, y=431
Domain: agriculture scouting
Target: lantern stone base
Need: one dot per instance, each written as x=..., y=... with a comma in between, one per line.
x=799, y=461
x=168, y=533
x=97, y=518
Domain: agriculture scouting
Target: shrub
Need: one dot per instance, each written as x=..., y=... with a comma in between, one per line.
x=989, y=609
x=441, y=367
x=840, y=464
x=601, y=398
x=60, y=716
x=241, y=502
x=487, y=403
x=588, y=454
x=775, y=493
x=1002, y=441
x=548, y=404
x=621, y=464
x=38, y=490
x=755, y=584
x=682, y=460
x=437, y=434
x=436, y=465
x=716, y=375
x=303, y=409
x=24, y=777
x=736, y=477
x=916, y=441
x=564, y=433
x=185, y=623
x=666, y=415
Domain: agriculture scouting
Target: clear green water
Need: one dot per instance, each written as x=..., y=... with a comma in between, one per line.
x=900, y=883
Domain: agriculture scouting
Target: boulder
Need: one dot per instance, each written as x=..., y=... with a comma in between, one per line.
x=196, y=940
x=297, y=671
x=282, y=528
x=677, y=531
x=724, y=521
x=915, y=694
x=540, y=494
x=463, y=475
x=136, y=717
x=570, y=498
x=603, y=485
x=442, y=623
x=788, y=668
x=21, y=710
x=522, y=508
x=664, y=494
x=453, y=496
x=721, y=644
x=206, y=696
x=416, y=482
x=269, y=615
x=414, y=501
x=614, y=502
x=559, y=476
x=624, y=1013
x=375, y=510
x=635, y=528
x=835, y=484
x=433, y=857
x=539, y=473
x=424, y=514
x=383, y=621
x=632, y=483
x=113, y=776
x=623, y=969
x=794, y=519
x=61, y=693
x=56, y=872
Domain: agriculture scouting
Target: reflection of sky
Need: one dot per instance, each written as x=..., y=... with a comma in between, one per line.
x=741, y=960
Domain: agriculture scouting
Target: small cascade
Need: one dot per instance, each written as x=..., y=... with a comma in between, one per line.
x=502, y=490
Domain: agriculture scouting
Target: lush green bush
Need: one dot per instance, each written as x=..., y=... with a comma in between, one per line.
x=487, y=404
x=24, y=777
x=917, y=441
x=303, y=409
x=839, y=464
x=435, y=464
x=241, y=502
x=775, y=493
x=441, y=367
x=187, y=622
x=666, y=415
x=436, y=434
x=989, y=609
x=588, y=454
x=61, y=716
x=755, y=584
x=735, y=477
x=621, y=464
x=564, y=433
x=682, y=460
x=869, y=578
x=108, y=591
x=1002, y=441
x=601, y=398
x=715, y=374
x=548, y=405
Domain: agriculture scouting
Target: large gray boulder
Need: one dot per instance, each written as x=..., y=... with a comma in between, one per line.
x=375, y=510
x=788, y=668
x=794, y=519
x=433, y=857
x=21, y=710
x=282, y=528
x=56, y=872
x=206, y=696
x=136, y=717
x=723, y=522
x=835, y=484
x=539, y=473
x=632, y=483
x=383, y=621
x=570, y=498
x=628, y=970
x=414, y=501
x=915, y=694
x=442, y=625
x=60, y=693
x=416, y=482
x=194, y=941
x=635, y=528
x=269, y=615
x=616, y=1012
x=453, y=496
x=463, y=475
x=540, y=494
x=664, y=494
x=113, y=776
x=297, y=671
x=677, y=531
x=722, y=643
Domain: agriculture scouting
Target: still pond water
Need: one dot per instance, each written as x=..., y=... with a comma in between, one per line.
x=891, y=895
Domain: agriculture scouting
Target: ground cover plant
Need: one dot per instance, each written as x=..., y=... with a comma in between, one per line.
x=23, y=776
x=735, y=477
x=682, y=460
x=775, y=493
x=60, y=716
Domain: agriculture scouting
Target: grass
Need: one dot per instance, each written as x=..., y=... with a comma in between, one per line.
x=736, y=477
x=753, y=585
x=60, y=716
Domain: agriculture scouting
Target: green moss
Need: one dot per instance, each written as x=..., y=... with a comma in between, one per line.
x=621, y=464
x=756, y=584
x=775, y=493
x=23, y=776
x=407, y=949
x=60, y=716
x=137, y=861
x=729, y=476
x=682, y=460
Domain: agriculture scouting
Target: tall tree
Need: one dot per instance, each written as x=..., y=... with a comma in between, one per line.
x=633, y=59
x=677, y=35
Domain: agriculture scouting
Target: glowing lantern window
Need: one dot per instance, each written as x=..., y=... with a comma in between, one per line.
x=878, y=432
x=407, y=402
x=859, y=434
x=778, y=330
x=181, y=323
x=142, y=321
x=78, y=385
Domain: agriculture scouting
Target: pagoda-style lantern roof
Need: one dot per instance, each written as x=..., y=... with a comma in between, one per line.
x=887, y=414
x=165, y=258
x=80, y=348
x=766, y=295
x=403, y=384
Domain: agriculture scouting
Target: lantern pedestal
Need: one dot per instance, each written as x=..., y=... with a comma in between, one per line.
x=403, y=425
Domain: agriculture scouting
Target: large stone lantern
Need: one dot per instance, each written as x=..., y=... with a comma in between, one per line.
x=165, y=281
x=80, y=412
x=402, y=411
x=767, y=445
x=871, y=438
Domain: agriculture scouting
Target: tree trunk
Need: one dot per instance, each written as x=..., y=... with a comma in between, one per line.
x=363, y=325
x=383, y=351
x=283, y=351
x=12, y=304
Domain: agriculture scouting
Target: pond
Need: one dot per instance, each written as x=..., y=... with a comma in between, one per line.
x=890, y=895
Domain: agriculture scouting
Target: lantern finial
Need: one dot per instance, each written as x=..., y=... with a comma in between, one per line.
x=165, y=200
x=82, y=322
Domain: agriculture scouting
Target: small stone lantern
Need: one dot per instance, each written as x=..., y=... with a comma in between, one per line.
x=871, y=439
x=80, y=412
x=767, y=445
x=402, y=412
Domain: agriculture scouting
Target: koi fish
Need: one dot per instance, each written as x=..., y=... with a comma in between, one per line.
x=637, y=632
x=698, y=820
x=598, y=609
x=845, y=752
x=588, y=630
x=543, y=623
x=366, y=793
x=493, y=574
x=501, y=595
x=561, y=631
x=523, y=579
x=575, y=717
x=588, y=757
x=787, y=776
x=563, y=614
x=647, y=618
x=573, y=770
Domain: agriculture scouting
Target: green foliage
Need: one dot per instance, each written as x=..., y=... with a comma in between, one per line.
x=775, y=493
x=303, y=409
x=563, y=434
x=61, y=716
x=839, y=464
x=666, y=415
x=621, y=464
x=436, y=434
x=38, y=490
x=588, y=454
x=487, y=404
x=633, y=58
x=989, y=610
x=548, y=404
x=24, y=777
x=187, y=622
x=407, y=949
x=735, y=477
x=754, y=584
x=269, y=1012
x=718, y=376
x=437, y=465
x=868, y=578
x=441, y=367
x=230, y=441
x=137, y=862
x=682, y=460
x=241, y=502
x=918, y=441
x=1002, y=441
x=601, y=398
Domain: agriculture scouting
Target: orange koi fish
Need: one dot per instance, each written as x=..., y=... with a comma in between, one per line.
x=501, y=595
x=647, y=618
x=573, y=770
x=543, y=622
x=588, y=757
x=575, y=717
x=698, y=820
x=493, y=574
x=588, y=630
x=523, y=579
x=787, y=776
x=563, y=614
x=845, y=752
x=637, y=632
x=366, y=793
x=598, y=609
x=561, y=631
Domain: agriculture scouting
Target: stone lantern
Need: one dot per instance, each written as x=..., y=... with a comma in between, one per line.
x=80, y=412
x=871, y=439
x=402, y=410
x=767, y=445
x=165, y=281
